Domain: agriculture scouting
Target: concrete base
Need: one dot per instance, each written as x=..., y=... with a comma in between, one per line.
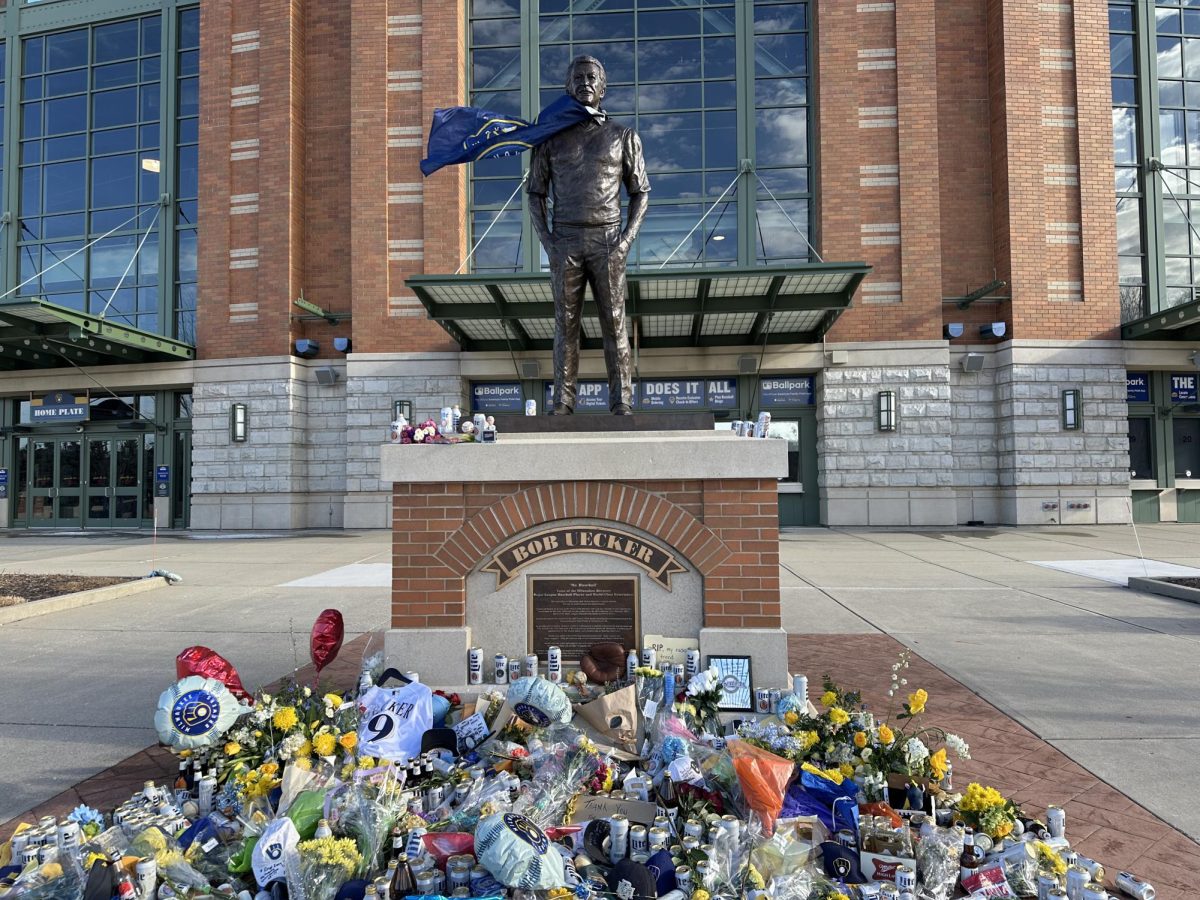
x=1165, y=589
x=767, y=648
x=266, y=511
x=438, y=655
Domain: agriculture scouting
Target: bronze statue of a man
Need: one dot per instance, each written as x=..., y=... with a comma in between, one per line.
x=582, y=169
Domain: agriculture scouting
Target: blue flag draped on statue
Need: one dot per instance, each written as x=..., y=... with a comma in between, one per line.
x=463, y=134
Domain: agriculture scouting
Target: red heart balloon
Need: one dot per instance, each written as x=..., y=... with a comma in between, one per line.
x=210, y=664
x=326, y=640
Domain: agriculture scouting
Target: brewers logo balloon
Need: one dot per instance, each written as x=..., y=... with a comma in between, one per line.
x=527, y=831
x=195, y=712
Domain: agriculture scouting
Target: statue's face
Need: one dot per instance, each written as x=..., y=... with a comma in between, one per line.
x=587, y=84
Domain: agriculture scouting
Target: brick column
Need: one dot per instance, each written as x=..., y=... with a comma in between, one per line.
x=425, y=592
x=744, y=591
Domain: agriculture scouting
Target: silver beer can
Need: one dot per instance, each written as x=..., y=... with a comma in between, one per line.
x=475, y=665
x=1045, y=883
x=762, y=701
x=1056, y=821
x=530, y=667
x=775, y=695
x=639, y=840
x=1094, y=869
x=692, y=662
x=1134, y=886
x=1094, y=891
x=531, y=407
x=618, y=838
x=683, y=879
x=554, y=664
x=657, y=838
x=1077, y=879
x=514, y=669
x=147, y=876
x=906, y=878
x=649, y=657
x=500, y=668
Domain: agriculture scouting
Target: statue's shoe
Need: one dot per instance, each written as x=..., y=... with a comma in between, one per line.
x=561, y=409
x=622, y=409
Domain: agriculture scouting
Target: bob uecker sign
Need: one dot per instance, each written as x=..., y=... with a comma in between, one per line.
x=661, y=564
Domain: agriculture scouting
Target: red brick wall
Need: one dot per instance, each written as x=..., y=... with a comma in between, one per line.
x=966, y=155
x=726, y=529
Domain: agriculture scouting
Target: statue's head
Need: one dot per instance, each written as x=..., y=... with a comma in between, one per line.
x=586, y=80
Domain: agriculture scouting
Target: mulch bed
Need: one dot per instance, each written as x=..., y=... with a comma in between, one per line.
x=1183, y=582
x=17, y=588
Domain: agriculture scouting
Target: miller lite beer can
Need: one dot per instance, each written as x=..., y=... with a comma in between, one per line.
x=530, y=668
x=554, y=664
x=1056, y=821
x=1077, y=879
x=906, y=878
x=1094, y=891
x=763, y=425
x=514, y=669
x=500, y=668
x=692, y=662
x=475, y=665
x=649, y=657
x=762, y=701
x=1134, y=886
x=531, y=407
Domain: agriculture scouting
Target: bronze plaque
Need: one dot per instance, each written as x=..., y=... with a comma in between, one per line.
x=574, y=612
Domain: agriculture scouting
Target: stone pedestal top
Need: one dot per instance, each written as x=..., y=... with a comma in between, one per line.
x=590, y=456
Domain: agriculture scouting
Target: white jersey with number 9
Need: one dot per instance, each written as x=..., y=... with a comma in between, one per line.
x=394, y=721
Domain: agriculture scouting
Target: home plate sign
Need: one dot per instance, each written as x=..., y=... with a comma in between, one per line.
x=658, y=562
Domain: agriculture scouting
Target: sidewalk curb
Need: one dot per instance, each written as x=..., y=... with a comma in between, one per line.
x=9, y=614
x=1165, y=589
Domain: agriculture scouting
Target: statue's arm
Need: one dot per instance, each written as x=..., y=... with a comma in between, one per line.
x=539, y=187
x=637, y=185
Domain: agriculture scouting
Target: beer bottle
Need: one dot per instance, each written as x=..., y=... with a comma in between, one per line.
x=403, y=882
x=668, y=801
x=972, y=856
x=397, y=845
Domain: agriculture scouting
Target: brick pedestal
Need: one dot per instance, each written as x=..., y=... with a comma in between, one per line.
x=708, y=497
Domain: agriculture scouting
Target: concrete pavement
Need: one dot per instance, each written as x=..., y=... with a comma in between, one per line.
x=1106, y=675
x=79, y=686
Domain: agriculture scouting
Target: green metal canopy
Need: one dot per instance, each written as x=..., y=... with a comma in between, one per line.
x=1179, y=323
x=37, y=334
x=668, y=307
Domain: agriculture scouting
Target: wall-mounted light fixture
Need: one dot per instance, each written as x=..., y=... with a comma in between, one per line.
x=343, y=344
x=306, y=348
x=887, y=411
x=402, y=408
x=993, y=330
x=952, y=330
x=326, y=374
x=972, y=362
x=1072, y=418
x=239, y=423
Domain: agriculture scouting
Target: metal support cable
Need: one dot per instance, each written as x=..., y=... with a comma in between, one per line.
x=701, y=221
x=73, y=253
x=132, y=260
x=803, y=236
x=492, y=225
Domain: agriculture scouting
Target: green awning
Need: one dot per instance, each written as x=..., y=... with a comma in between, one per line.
x=1179, y=323
x=37, y=334
x=669, y=308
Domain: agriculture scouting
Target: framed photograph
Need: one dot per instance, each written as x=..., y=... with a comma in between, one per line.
x=735, y=679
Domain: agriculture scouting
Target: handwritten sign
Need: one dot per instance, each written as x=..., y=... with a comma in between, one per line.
x=472, y=731
x=670, y=651
x=588, y=808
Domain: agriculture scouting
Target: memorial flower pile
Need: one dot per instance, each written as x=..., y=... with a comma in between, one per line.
x=327, y=792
